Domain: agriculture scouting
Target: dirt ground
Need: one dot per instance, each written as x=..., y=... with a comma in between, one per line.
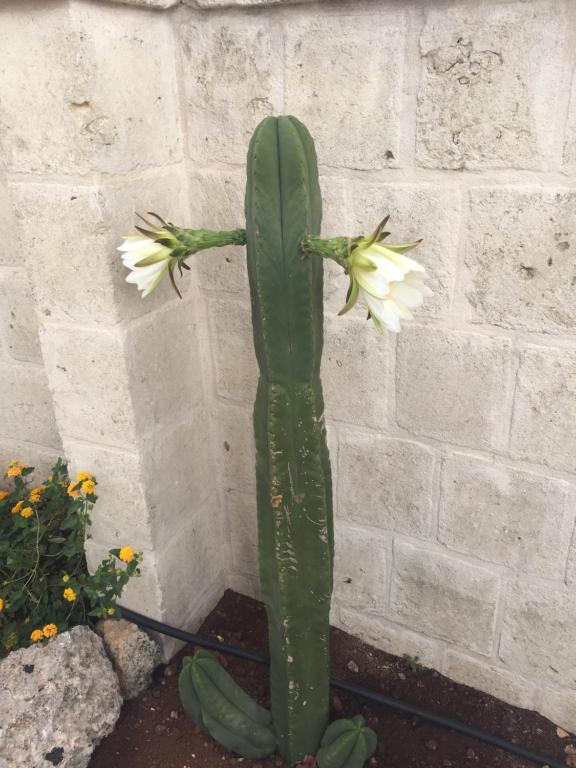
x=154, y=732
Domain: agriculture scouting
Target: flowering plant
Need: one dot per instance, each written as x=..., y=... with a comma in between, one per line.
x=45, y=587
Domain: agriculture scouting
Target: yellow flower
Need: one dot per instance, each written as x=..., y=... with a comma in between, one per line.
x=36, y=635
x=126, y=554
x=88, y=486
x=65, y=578
x=111, y=611
x=1, y=605
x=73, y=490
x=84, y=476
x=15, y=468
x=36, y=494
x=26, y=512
x=3, y=494
x=69, y=594
x=17, y=507
x=50, y=630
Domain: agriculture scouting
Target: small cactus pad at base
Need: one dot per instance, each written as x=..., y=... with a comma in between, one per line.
x=347, y=744
x=222, y=709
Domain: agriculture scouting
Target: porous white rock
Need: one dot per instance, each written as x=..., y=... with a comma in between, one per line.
x=133, y=653
x=57, y=702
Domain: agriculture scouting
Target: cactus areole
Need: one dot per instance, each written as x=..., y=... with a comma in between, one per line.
x=294, y=492
x=295, y=530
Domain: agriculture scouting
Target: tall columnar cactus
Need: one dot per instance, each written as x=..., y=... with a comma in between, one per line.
x=295, y=527
x=294, y=494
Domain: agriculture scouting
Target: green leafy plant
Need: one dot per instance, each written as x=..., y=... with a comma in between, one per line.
x=45, y=587
x=413, y=663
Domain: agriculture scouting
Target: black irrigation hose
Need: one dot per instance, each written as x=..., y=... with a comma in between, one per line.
x=380, y=698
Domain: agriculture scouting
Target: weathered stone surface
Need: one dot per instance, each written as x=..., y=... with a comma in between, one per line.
x=571, y=569
x=360, y=568
x=241, y=517
x=387, y=483
x=146, y=3
x=560, y=707
x=217, y=200
x=241, y=3
x=390, y=637
x=133, y=653
x=492, y=679
x=452, y=386
x=26, y=410
x=490, y=77
x=232, y=80
x=538, y=632
x=89, y=381
x=443, y=597
x=502, y=515
x=545, y=407
x=235, y=451
x=58, y=699
x=41, y=457
x=99, y=121
x=570, y=142
x=355, y=367
x=353, y=111
x=235, y=361
x=520, y=258
x=416, y=211
x=121, y=513
x=18, y=323
x=76, y=270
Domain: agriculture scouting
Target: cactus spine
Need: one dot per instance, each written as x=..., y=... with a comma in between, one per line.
x=294, y=495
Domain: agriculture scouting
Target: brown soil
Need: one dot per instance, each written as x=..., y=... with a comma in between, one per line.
x=154, y=732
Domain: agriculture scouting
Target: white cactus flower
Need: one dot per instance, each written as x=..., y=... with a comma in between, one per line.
x=156, y=257
x=391, y=284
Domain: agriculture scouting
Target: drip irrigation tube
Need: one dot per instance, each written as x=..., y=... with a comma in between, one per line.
x=380, y=698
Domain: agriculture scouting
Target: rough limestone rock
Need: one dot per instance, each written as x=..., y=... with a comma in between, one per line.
x=57, y=702
x=133, y=653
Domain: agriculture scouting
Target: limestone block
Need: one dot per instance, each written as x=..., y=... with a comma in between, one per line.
x=90, y=384
x=452, y=386
x=121, y=513
x=355, y=366
x=232, y=80
x=490, y=80
x=241, y=518
x=416, y=211
x=26, y=410
x=499, y=514
x=193, y=560
x=177, y=463
x=360, y=568
x=344, y=81
x=492, y=679
x=133, y=653
x=387, y=483
x=18, y=322
x=538, y=632
x=443, y=597
x=335, y=208
x=560, y=707
x=570, y=143
x=571, y=569
x=235, y=451
x=520, y=259
x=241, y=3
x=110, y=90
x=235, y=361
x=390, y=637
x=58, y=701
x=217, y=201
x=545, y=407
x=163, y=363
x=41, y=457
x=146, y=3
x=9, y=254
x=72, y=257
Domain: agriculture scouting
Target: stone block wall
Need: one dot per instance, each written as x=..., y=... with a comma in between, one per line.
x=453, y=448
